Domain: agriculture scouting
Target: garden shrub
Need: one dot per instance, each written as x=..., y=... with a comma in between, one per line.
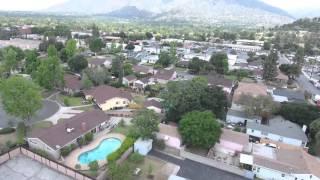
x=65, y=151
x=77, y=166
x=88, y=137
x=159, y=144
x=94, y=166
x=66, y=102
x=136, y=158
x=7, y=130
x=127, y=143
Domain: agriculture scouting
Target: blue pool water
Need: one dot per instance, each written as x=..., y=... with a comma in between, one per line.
x=105, y=148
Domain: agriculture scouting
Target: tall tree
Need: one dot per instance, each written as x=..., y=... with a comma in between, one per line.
x=52, y=51
x=145, y=124
x=270, y=69
x=291, y=70
x=49, y=74
x=95, y=31
x=164, y=59
x=20, y=97
x=10, y=60
x=32, y=62
x=220, y=62
x=96, y=44
x=299, y=57
x=200, y=129
x=78, y=63
x=71, y=48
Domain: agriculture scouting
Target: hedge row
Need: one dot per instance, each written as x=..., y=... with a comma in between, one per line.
x=7, y=130
x=127, y=143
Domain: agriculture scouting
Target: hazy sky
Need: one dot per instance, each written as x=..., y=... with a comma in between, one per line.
x=43, y=4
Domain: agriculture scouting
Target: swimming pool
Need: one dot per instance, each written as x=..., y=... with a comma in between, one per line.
x=106, y=147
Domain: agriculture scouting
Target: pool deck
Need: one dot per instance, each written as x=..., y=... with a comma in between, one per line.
x=72, y=159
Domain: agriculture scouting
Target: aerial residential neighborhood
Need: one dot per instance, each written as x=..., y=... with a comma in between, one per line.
x=163, y=90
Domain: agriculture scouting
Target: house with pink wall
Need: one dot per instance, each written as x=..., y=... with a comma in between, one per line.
x=170, y=135
x=232, y=142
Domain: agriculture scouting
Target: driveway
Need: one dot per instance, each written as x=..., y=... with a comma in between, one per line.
x=48, y=109
x=196, y=171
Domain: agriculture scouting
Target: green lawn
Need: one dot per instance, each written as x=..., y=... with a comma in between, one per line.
x=70, y=101
x=122, y=130
x=41, y=125
x=139, y=99
x=86, y=108
x=231, y=77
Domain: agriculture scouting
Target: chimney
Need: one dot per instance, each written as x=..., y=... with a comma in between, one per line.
x=84, y=126
x=304, y=128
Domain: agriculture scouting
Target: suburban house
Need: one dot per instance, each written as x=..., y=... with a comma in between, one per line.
x=100, y=62
x=287, y=95
x=233, y=143
x=129, y=80
x=108, y=98
x=163, y=76
x=149, y=59
x=281, y=79
x=143, y=70
x=141, y=84
x=258, y=64
x=154, y=105
x=285, y=163
x=170, y=135
x=280, y=130
x=52, y=139
x=237, y=116
x=217, y=80
x=72, y=84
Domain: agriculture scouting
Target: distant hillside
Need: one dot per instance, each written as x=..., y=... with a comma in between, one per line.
x=253, y=12
x=129, y=12
x=306, y=24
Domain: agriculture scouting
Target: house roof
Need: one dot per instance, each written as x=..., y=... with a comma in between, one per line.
x=164, y=74
x=278, y=125
x=290, y=94
x=72, y=82
x=97, y=61
x=218, y=80
x=235, y=137
x=153, y=103
x=169, y=130
x=282, y=76
x=103, y=93
x=141, y=69
x=252, y=89
x=240, y=114
x=57, y=136
x=289, y=159
x=130, y=78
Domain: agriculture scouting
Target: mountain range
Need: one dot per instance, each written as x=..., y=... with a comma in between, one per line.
x=206, y=11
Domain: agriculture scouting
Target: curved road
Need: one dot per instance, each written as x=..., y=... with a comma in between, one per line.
x=48, y=109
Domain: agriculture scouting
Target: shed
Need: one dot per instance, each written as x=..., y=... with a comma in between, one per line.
x=143, y=147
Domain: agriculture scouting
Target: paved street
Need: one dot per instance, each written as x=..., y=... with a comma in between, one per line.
x=48, y=109
x=197, y=171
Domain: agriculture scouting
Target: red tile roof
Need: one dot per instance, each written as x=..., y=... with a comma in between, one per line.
x=72, y=82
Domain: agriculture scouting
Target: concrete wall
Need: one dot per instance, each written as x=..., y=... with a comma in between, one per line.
x=36, y=143
x=275, y=137
x=171, y=141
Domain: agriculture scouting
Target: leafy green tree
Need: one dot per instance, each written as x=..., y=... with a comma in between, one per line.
x=291, y=70
x=299, y=57
x=71, y=47
x=267, y=46
x=20, y=97
x=149, y=35
x=32, y=62
x=127, y=68
x=314, y=128
x=198, y=66
x=10, y=60
x=220, y=62
x=145, y=124
x=49, y=74
x=86, y=83
x=96, y=44
x=270, y=69
x=64, y=55
x=185, y=96
x=78, y=63
x=19, y=51
x=117, y=66
x=200, y=129
x=52, y=51
x=300, y=113
x=130, y=47
x=164, y=60
x=93, y=166
x=95, y=31
x=97, y=77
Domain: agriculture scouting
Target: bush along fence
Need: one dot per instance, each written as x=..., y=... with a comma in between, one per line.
x=125, y=146
x=61, y=168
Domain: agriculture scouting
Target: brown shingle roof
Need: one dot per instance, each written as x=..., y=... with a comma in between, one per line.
x=236, y=137
x=97, y=61
x=169, y=130
x=153, y=103
x=131, y=77
x=141, y=69
x=164, y=74
x=218, y=80
x=57, y=136
x=72, y=82
x=103, y=93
